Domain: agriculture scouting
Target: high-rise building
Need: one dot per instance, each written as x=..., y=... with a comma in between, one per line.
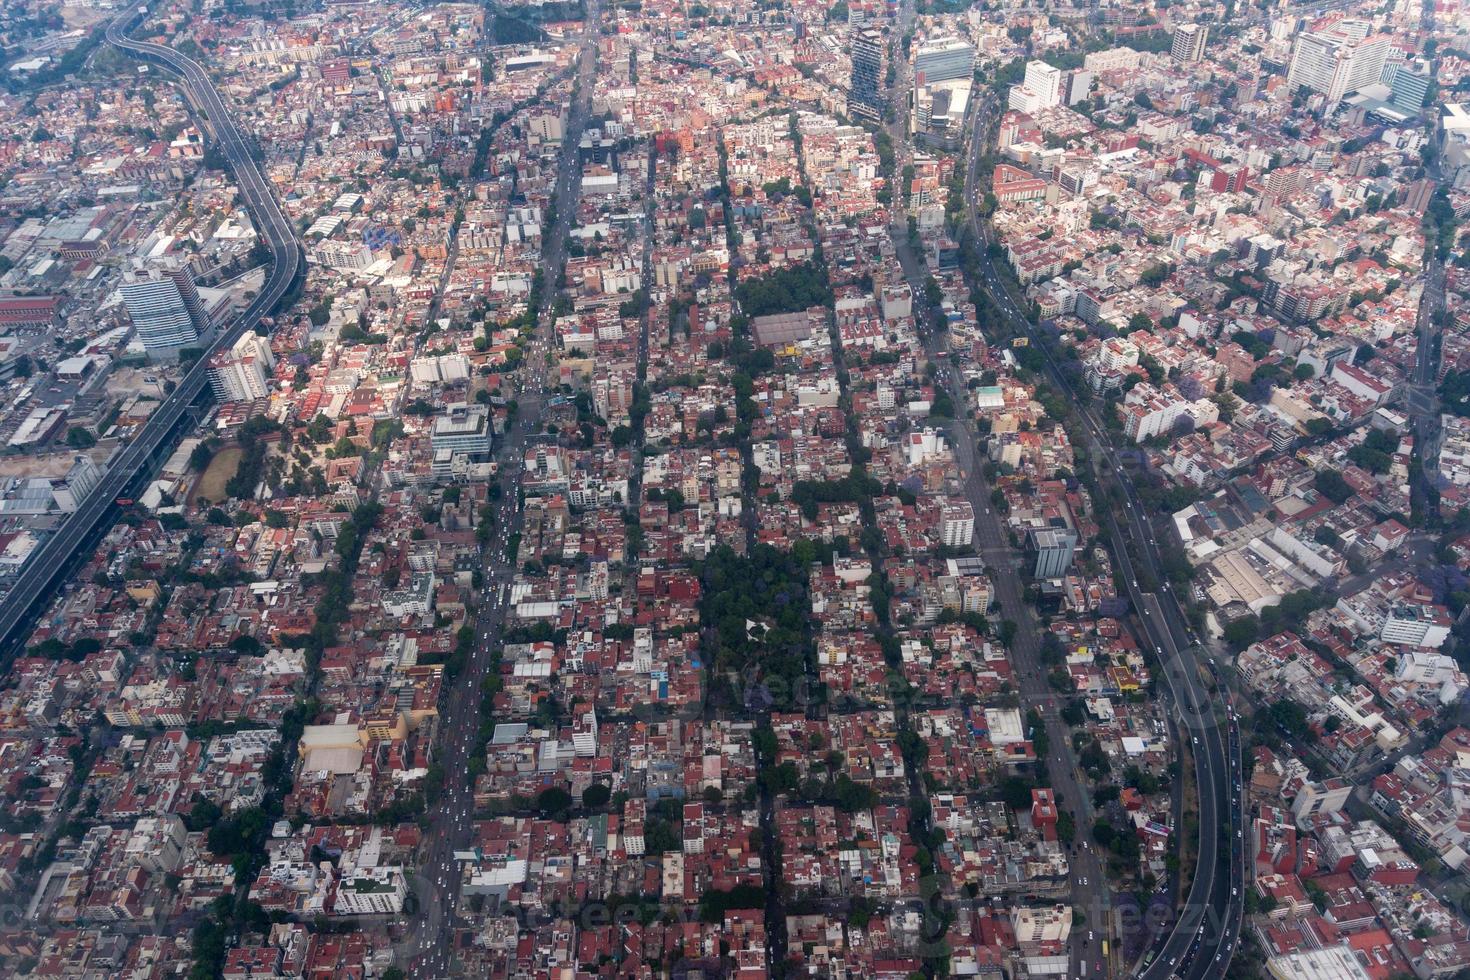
x=1189, y=42
x=865, y=93
x=1409, y=89
x=943, y=59
x=1041, y=929
x=1338, y=62
x=548, y=127
x=1079, y=86
x=1054, y=548
x=1328, y=796
x=1113, y=59
x=1149, y=412
x=957, y=525
x=165, y=309
x=189, y=293
x=241, y=373
x=1041, y=89
x=1044, y=80
x=158, y=844
x=461, y=436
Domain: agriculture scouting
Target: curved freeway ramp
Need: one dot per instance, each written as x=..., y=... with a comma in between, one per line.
x=40, y=574
x=1200, y=941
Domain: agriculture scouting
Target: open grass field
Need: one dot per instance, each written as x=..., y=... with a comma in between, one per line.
x=211, y=485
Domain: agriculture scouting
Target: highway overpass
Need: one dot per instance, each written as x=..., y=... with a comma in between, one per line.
x=1200, y=942
x=44, y=571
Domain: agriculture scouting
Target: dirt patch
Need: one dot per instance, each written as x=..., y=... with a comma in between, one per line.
x=211, y=485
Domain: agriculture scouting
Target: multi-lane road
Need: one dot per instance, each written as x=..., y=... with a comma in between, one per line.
x=1420, y=395
x=1088, y=886
x=54, y=557
x=452, y=819
x=1203, y=936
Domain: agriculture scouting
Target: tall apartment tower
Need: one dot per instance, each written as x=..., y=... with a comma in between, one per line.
x=242, y=372
x=957, y=525
x=165, y=309
x=865, y=93
x=1040, y=89
x=183, y=279
x=1189, y=42
x=1339, y=62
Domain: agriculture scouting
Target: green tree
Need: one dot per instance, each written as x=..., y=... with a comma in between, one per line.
x=1066, y=827
x=554, y=801
x=787, y=290
x=200, y=456
x=1331, y=485
x=1015, y=792
x=1241, y=633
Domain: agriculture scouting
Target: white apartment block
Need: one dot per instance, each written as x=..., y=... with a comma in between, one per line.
x=1415, y=626
x=957, y=526
x=242, y=373
x=1148, y=412
x=371, y=891
x=1042, y=89
x=434, y=370
x=1113, y=59
x=1339, y=62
